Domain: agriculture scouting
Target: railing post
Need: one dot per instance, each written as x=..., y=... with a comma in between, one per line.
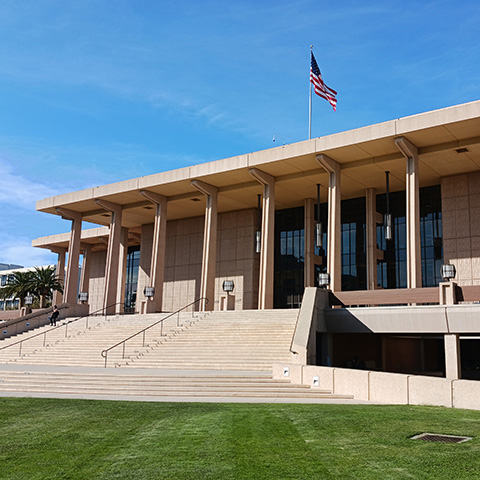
x=123, y=354
x=178, y=318
x=66, y=329
x=44, y=338
x=106, y=354
x=143, y=338
x=20, y=350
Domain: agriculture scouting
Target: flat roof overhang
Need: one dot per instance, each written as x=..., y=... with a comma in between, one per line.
x=448, y=141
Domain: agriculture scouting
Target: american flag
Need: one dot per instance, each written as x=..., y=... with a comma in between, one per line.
x=318, y=84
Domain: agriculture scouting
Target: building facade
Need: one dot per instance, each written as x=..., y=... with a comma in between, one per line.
x=394, y=201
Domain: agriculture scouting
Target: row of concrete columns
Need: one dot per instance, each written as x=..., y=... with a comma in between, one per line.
x=117, y=244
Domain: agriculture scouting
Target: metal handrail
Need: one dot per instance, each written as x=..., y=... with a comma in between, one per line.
x=65, y=324
x=124, y=341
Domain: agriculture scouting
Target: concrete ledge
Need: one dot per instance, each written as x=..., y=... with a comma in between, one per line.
x=466, y=394
x=351, y=382
x=387, y=388
x=324, y=375
x=430, y=391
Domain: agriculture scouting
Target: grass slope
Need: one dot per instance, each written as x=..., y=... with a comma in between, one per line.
x=83, y=439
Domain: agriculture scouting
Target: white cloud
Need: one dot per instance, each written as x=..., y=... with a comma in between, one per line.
x=19, y=191
x=19, y=251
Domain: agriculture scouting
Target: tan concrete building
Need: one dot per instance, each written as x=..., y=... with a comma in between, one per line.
x=168, y=239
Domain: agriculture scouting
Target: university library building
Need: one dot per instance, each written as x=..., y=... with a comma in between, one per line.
x=372, y=234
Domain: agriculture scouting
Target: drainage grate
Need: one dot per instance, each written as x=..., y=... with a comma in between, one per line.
x=436, y=437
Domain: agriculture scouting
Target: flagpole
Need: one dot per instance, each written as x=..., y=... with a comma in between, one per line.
x=310, y=102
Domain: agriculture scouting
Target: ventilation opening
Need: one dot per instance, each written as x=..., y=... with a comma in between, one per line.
x=436, y=437
x=195, y=199
x=462, y=150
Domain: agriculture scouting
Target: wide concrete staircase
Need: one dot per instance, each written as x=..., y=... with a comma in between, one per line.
x=245, y=340
x=215, y=356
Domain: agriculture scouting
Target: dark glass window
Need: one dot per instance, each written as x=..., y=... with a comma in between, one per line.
x=392, y=271
x=289, y=257
x=431, y=235
x=133, y=262
x=354, y=269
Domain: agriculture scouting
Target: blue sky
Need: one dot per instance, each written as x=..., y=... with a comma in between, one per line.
x=93, y=92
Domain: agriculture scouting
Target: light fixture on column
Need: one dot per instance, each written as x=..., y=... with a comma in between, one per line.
x=228, y=286
x=258, y=233
x=83, y=297
x=323, y=280
x=149, y=292
x=318, y=224
x=448, y=271
x=387, y=218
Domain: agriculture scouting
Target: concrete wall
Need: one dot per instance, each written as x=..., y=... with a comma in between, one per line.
x=414, y=320
x=461, y=226
x=96, y=286
x=387, y=388
x=236, y=260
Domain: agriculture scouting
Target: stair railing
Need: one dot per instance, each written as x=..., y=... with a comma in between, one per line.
x=65, y=324
x=143, y=331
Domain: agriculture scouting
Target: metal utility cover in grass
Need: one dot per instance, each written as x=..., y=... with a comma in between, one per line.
x=436, y=437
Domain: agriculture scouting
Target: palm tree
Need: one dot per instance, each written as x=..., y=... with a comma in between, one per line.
x=44, y=281
x=18, y=285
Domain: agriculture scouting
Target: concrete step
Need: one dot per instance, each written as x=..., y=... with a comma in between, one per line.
x=168, y=385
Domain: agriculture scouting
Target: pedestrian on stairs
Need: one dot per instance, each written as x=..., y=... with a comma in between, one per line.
x=53, y=317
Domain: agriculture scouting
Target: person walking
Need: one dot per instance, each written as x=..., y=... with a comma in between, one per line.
x=53, y=317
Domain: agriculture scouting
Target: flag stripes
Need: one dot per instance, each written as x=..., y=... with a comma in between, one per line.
x=319, y=85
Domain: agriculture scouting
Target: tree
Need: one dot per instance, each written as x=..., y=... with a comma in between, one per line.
x=44, y=281
x=18, y=285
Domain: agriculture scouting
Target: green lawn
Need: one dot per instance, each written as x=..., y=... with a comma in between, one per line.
x=86, y=440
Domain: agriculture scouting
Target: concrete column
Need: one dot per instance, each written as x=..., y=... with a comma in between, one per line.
x=452, y=356
x=144, y=267
x=414, y=260
x=57, y=298
x=122, y=270
x=209, y=257
x=71, y=281
x=334, y=243
x=265, y=287
x=372, y=252
x=157, y=263
x=113, y=255
x=85, y=275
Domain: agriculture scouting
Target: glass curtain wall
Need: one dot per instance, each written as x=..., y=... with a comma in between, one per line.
x=133, y=262
x=289, y=258
x=392, y=271
x=354, y=267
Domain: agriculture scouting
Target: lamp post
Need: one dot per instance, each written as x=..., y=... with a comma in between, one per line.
x=258, y=233
x=318, y=224
x=387, y=220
